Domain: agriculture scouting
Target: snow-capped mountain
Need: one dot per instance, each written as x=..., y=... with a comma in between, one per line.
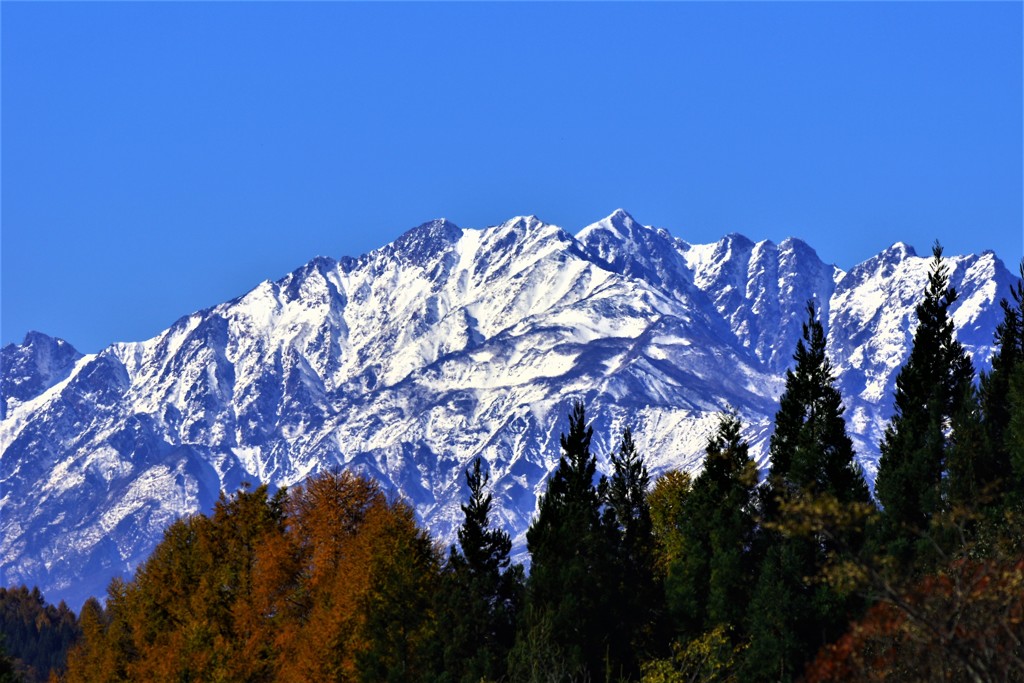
x=409, y=361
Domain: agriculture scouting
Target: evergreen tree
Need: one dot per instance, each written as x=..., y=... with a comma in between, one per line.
x=627, y=511
x=971, y=480
x=637, y=593
x=567, y=592
x=35, y=634
x=930, y=392
x=810, y=450
x=481, y=593
x=709, y=583
x=1002, y=400
x=8, y=673
x=791, y=615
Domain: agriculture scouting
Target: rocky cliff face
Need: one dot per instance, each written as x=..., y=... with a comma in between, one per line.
x=409, y=361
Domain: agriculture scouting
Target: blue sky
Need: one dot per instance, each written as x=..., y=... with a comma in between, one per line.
x=158, y=158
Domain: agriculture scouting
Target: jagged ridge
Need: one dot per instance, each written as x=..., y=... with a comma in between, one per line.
x=409, y=361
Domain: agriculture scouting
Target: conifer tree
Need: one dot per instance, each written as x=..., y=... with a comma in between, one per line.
x=810, y=450
x=709, y=584
x=627, y=511
x=393, y=619
x=35, y=634
x=930, y=391
x=567, y=592
x=636, y=590
x=972, y=480
x=811, y=455
x=1002, y=401
x=8, y=673
x=93, y=659
x=481, y=592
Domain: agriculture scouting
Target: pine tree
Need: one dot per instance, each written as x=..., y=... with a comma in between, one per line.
x=481, y=593
x=627, y=511
x=567, y=591
x=709, y=583
x=35, y=634
x=811, y=456
x=8, y=672
x=1002, y=399
x=636, y=590
x=930, y=391
x=810, y=450
x=972, y=481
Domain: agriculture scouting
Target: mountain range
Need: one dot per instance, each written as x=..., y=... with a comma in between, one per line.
x=409, y=361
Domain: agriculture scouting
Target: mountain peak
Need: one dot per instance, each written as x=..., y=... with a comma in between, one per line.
x=798, y=247
x=882, y=264
x=33, y=366
x=415, y=358
x=34, y=338
x=621, y=217
x=617, y=226
x=427, y=239
x=738, y=239
x=899, y=251
x=528, y=222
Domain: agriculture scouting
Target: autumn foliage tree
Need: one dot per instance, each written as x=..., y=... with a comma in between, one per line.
x=331, y=581
x=962, y=621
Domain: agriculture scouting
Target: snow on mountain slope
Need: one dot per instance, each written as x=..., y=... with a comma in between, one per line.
x=411, y=360
x=872, y=324
x=33, y=367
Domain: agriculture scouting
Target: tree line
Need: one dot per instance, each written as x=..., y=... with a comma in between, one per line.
x=713, y=577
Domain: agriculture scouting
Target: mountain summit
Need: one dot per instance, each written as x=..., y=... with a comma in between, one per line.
x=411, y=360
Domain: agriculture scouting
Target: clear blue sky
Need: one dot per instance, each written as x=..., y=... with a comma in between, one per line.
x=161, y=158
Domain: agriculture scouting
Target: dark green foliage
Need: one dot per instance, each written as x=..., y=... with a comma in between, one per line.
x=397, y=608
x=930, y=392
x=635, y=590
x=481, y=593
x=627, y=511
x=810, y=450
x=8, y=673
x=1015, y=435
x=568, y=589
x=782, y=619
x=811, y=456
x=971, y=480
x=35, y=635
x=1002, y=403
x=709, y=584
